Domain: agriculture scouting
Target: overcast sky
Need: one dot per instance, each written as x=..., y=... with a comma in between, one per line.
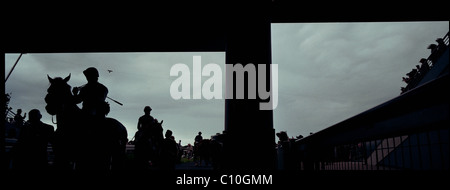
x=328, y=72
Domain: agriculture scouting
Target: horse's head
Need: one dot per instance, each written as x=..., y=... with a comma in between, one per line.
x=57, y=94
x=159, y=124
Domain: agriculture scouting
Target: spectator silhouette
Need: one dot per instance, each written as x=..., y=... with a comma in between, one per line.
x=93, y=95
x=441, y=47
x=31, y=148
x=434, y=55
x=285, y=152
x=404, y=79
x=18, y=118
x=180, y=150
x=412, y=74
x=169, y=152
x=198, y=139
x=432, y=47
x=282, y=137
x=424, y=67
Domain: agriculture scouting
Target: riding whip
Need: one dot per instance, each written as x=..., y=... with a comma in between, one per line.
x=115, y=101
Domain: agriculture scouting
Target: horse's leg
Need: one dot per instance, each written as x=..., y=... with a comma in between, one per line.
x=118, y=153
x=141, y=154
x=115, y=144
x=61, y=152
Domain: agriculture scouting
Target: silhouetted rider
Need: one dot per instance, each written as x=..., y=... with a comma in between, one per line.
x=146, y=121
x=92, y=94
x=146, y=124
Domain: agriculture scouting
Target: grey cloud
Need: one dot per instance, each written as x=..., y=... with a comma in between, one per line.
x=332, y=71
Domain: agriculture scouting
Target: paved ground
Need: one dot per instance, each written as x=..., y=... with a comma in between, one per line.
x=191, y=166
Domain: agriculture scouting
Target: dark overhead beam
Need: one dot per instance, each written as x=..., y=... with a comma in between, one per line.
x=191, y=26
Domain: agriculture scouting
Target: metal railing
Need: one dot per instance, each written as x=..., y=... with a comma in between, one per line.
x=418, y=151
x=410, y=132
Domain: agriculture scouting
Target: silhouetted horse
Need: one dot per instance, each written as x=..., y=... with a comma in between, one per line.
x=80, y=143
x=148, y=145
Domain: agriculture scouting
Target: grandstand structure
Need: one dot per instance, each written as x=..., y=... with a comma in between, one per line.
x=409, y=132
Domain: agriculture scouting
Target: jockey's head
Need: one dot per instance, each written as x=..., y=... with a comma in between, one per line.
x=147, y=109
x=91, y=74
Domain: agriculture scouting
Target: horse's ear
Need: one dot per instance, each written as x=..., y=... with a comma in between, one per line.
x=67, y=78
x=49, y=78
x=161, y=121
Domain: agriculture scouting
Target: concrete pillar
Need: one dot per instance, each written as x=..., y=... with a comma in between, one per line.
x=249, y=135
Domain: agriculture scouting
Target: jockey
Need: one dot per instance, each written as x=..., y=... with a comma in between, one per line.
x=146, y=122
x=92, y=94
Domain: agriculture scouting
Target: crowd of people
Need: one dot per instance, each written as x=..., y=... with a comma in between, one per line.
x=34, y=138
x=152, y=149
x=30, y=152
x=416, y=75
